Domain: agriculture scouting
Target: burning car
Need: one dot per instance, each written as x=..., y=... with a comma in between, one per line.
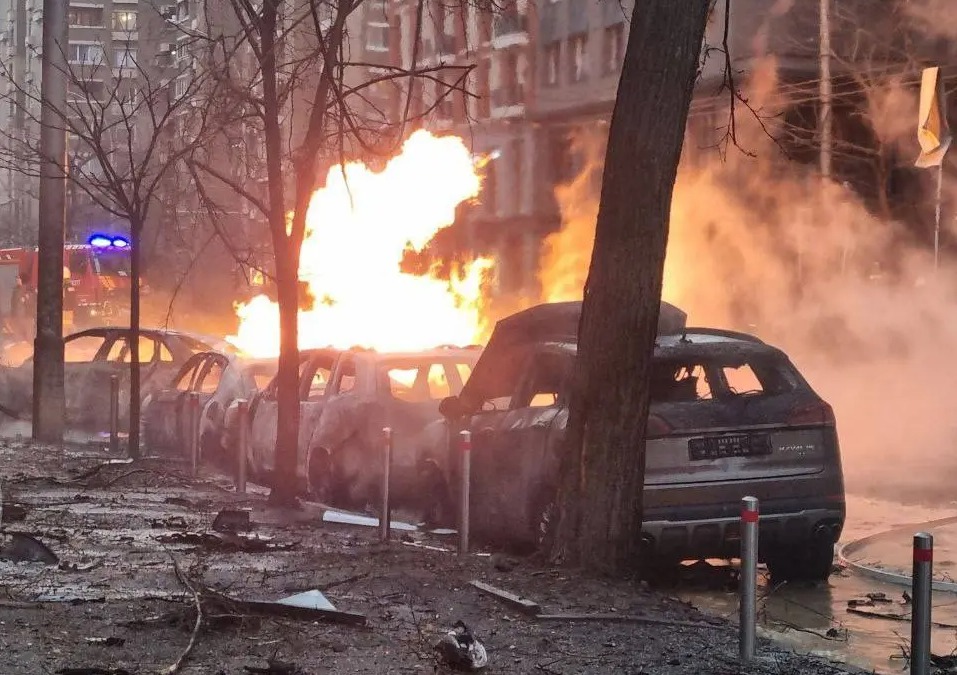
x=730, y=417
x=218, y=379
x=91, y=358
x=347, y=398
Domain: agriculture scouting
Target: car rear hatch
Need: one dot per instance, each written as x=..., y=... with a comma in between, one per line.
x=724, y=417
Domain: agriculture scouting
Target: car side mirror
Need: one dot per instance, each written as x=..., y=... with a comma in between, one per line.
x=451, y=408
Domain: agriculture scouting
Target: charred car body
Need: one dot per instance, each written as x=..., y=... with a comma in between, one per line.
x=217, y=379
x=91, y=358
x=730, y=417
x=347, y=398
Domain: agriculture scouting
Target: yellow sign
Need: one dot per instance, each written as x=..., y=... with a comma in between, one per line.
x=933, y=132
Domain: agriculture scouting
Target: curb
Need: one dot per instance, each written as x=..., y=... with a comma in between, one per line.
x=886, y=576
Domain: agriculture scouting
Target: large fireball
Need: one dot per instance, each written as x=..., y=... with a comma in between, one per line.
x=358, y=229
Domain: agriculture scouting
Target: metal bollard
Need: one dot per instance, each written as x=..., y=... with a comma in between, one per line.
x=385, y=518
x=115, y=414
x=242, y=445
x=465, y=444
x=749, y=578
x=192, y=420
x=921, y=609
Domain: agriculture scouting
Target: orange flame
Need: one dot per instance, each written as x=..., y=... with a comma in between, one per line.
x=358, y=229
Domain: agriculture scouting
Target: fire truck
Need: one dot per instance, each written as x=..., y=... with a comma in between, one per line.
x=96, y=288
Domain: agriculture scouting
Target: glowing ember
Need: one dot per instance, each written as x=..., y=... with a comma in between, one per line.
x=358, y=228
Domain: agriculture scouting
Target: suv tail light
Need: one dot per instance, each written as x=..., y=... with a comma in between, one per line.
x=657, y=427
x=819, y=413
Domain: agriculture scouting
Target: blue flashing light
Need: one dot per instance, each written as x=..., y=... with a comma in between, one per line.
x=108, y=241
x=100, y=241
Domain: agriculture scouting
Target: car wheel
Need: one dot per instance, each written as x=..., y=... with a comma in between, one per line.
x=437, y=508
x=319, y=476
x=808, y=562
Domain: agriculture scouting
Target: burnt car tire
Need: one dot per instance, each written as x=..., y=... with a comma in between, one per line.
x=436, y=505
x=319, y=476
x=811, y=562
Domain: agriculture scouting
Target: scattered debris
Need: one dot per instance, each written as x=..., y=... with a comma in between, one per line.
x=106, y=641
x=521, y=604
x=93, y=671
x=169, y=523
x=625, y=618
x=894, y=617
x=26, y=548
x=869, y=600
x=89, y=473
x=73, y=567
x=503, y=563
x=416, y=544
x=226, y=542
x=232, y=520
x=275, y=667
x=308, y=606
x=460, y=649
x=308, y=600
x=190, y=504
x=13, y=513
x=343, y=518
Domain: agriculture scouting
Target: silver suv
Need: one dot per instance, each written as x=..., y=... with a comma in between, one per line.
x=730, y=417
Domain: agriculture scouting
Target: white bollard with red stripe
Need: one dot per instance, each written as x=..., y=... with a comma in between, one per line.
x=749, y=577
x=385, y=518
x=465, y=445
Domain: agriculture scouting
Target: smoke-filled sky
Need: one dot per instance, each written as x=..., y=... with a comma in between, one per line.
x=762, y=244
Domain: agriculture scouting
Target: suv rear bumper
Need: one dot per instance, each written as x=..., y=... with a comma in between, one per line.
x=687, y=536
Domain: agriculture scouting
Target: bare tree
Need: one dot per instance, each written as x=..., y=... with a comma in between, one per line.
x=294, y=86
x=129, y=125
x=600, y=497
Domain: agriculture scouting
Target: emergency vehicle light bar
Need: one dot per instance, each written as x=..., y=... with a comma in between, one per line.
x=106, y=241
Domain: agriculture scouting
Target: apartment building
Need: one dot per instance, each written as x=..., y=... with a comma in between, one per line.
x=109, y=41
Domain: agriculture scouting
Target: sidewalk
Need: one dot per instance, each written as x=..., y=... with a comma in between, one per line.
x=137, y=554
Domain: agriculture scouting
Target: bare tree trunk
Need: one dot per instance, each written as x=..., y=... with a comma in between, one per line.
x=601, y=492
x=287, y=432
x=134, y=427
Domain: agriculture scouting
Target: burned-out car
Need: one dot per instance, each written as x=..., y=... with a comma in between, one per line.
x=347, y=399
x=91, y=358
x=730, y=416
x=218, y=380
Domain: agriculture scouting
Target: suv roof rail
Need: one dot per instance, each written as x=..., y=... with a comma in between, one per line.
x=722, y=332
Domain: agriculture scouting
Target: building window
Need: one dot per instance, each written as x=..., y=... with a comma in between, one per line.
x=377, y=37
x=553, y=51
x=86, y=16
x=484, y=90
x=124, y=58
x=124, y=22
x=86, y=54
x=614, y=47
x=577, y=57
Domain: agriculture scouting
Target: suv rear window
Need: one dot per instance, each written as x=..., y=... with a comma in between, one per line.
x=706, y=379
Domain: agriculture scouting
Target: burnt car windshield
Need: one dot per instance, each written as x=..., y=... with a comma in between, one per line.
x=701, y=380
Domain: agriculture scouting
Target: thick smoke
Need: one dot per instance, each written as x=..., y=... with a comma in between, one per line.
x=761, y=243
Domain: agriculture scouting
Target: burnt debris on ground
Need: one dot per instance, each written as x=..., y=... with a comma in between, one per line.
x=151, y=571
